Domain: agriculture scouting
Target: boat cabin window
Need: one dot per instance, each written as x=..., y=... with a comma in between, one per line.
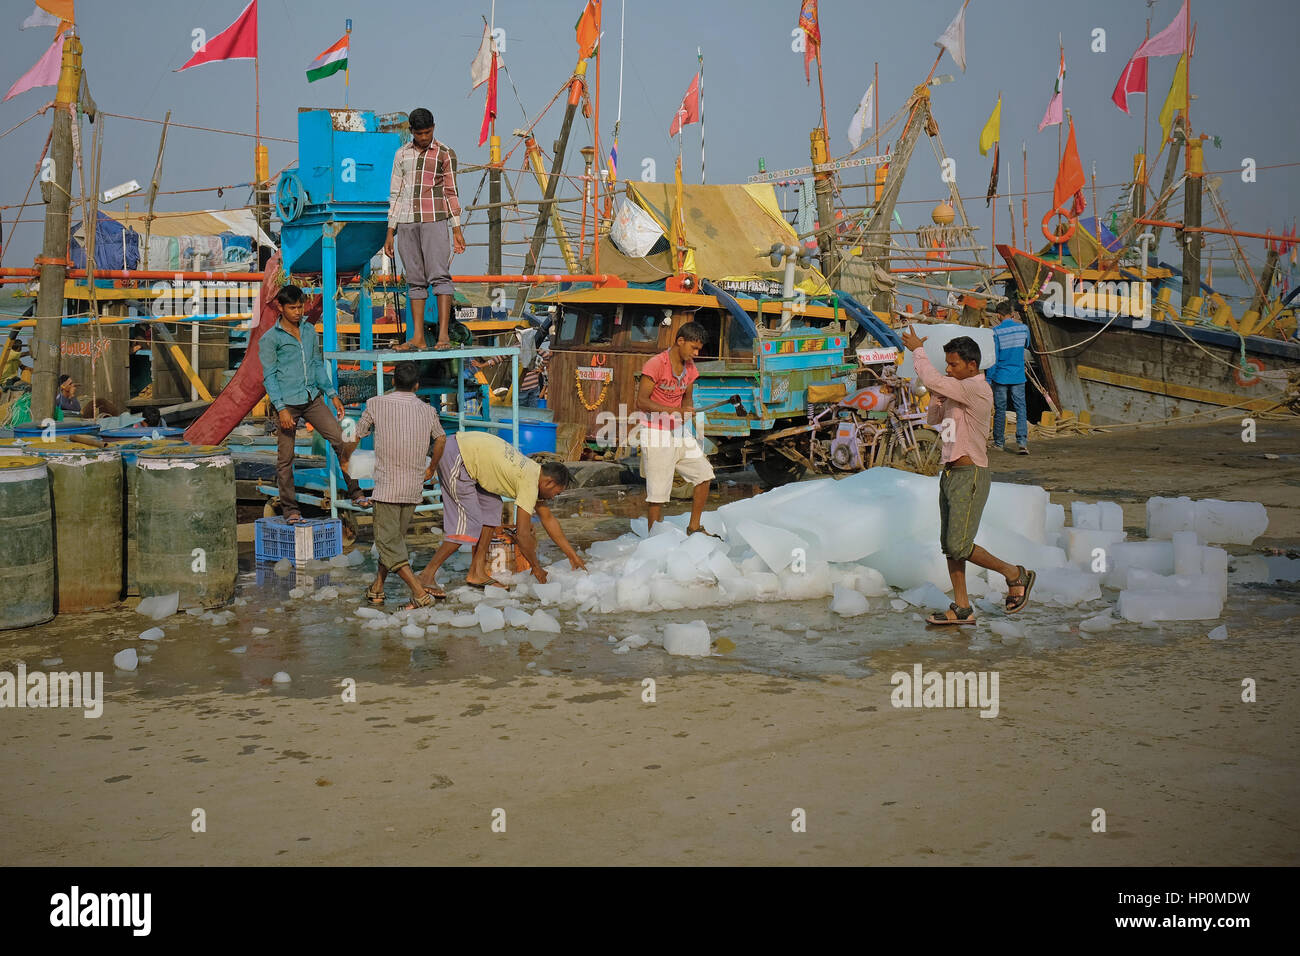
x=711, y=319
x=642, y=324
x=568, y=328
x=740, y=341
x=600, y=328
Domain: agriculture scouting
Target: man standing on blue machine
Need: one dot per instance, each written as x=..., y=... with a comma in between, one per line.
x=1007, y=376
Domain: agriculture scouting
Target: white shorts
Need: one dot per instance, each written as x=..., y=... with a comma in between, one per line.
x=662, y=454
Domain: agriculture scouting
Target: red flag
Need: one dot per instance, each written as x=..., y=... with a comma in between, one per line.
x=1132, y=80
x=236, y=42
x=689, y=111
x=489, y=108
x=1070, y=179
x=812, y=44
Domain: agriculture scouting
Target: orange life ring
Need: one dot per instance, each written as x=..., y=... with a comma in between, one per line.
x=1065, y=236
x=1254, y=379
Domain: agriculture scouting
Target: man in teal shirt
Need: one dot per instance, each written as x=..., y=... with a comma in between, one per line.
x=293, y=371
x=1007, y=377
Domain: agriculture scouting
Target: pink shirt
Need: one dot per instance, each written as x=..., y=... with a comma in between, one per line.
x=669, y=388
x=968, y=402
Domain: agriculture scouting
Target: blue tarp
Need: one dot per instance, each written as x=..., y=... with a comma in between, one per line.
x=116, y=247
x=1103, y=234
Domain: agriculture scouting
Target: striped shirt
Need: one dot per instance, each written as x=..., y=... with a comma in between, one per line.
x=405, y=426
x=423, y=187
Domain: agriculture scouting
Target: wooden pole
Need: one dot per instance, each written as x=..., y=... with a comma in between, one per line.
x=53, y=261
x=153, y=189
x=1024, y=200
x=596, y=163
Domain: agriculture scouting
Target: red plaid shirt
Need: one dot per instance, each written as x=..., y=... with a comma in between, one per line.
x=423, y=188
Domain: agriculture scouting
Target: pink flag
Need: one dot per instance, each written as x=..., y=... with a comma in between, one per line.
x=1054, y=116
x=1172, y=39
x=1132, y=80
x=236, y=42
x=44, y=73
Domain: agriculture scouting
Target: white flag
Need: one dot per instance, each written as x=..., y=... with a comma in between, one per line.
x=862, y=118
x=482, y=65
x=954, y=38
x=41, y=18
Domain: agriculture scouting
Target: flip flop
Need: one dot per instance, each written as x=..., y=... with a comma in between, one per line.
x=942, y=620
x=409, y=347
x=1026, y=580
x=444, y=346
x=492, y=581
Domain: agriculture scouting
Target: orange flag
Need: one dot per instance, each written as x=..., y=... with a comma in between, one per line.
x=1069, y=178
x=587, y=29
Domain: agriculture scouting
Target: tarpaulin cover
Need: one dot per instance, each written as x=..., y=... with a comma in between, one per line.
x=115, y=247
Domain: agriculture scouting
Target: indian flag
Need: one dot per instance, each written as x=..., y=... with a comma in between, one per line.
x=329, y=62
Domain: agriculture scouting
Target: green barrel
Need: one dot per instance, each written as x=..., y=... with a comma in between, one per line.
x=130, y=451
x=185, y=500
x=86, y=488
x=26, y=543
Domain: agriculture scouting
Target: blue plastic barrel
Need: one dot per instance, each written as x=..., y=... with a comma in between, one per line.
x=534, y=436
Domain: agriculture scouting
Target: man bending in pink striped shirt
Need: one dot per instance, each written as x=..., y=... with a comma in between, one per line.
x=404, y=424
x=961, y=402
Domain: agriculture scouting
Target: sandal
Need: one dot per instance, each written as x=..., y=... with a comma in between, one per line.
x=492, y=581
x=410, y=347
x=961, y=615
x=375, y=598
x=425, y=599
x=360, y=500
x=1026, y=580
x=700, y=530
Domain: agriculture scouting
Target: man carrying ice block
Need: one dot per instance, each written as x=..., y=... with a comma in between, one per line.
x=961, y=404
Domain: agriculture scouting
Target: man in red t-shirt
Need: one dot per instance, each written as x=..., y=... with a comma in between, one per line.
x=666, y=397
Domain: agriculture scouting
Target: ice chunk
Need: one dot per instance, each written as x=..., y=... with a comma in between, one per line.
x=1055, y=518
x=541, y=621
x=1081, y=544
x=813, y=582
x=1157, y=556
x=775, y=546
x=690, y=640
x=296, y=593
x=911, y=563
x=621, y=648
x=722, y=567
x=848, y=603
x=548, y=593
x=371, y=612
x=326, y=594
x=339, y=561
x=1084, y=516
x=632, y=593
x=1220, y=633
x=126, y=660
x=668, y=594
x=1112, y=516
x=1214, y=565
x=898, y=604
x=767, y=584
x=356, y=557
x=1067, y=586
x=683, y=569
x=1187, y=553
x=635, y=640
x=1097, y=624
x=153, y=634
x=413, y=631
x=1230, y=522
x=656, y=548
x=1168, y=605
x=489, y=618
x=936, y=335
x=261, y=630
x=738, y=590
x=281, y=677
x=1167, y=515
x=239, y=650
x=159, y=606
x=612, y=549
x=1005, y=629
x=464, y=620
x=516, y=617
x=925, y=595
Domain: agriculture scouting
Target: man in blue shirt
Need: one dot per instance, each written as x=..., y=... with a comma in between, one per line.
x=1007, y=376
x=293, y=371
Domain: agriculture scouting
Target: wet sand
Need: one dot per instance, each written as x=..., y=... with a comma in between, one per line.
x=1146, y=724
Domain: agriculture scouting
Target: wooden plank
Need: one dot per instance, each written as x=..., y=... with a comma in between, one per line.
x=1171, y=389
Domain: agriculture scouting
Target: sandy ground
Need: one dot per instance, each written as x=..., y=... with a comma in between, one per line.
x=586, y=772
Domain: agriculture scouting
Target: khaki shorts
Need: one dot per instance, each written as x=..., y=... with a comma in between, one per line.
x=662, y=454
x=963, y=492
x=390, y=525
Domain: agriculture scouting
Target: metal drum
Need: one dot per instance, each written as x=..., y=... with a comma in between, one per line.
x=69, y=426
x=185, y=524
x=26, y=543
x=134, y=435
x=130, y=451
x=86, y=485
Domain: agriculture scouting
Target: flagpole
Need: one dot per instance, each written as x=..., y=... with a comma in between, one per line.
x=595, y=143
x=1024, y=200
x=1146, y=106
x=875, y=123
x=699, y=55
x=347, y=69
x=1060, y=39
x=1187, y=72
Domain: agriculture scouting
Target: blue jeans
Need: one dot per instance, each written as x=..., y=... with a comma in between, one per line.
x=1017, y=393
x=530, y=397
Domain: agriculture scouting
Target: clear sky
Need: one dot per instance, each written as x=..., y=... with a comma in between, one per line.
x=407, y=53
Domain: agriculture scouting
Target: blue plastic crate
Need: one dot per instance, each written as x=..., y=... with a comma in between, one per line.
x=318, y=539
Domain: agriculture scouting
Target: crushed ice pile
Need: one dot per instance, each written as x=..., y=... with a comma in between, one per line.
x=876, y=533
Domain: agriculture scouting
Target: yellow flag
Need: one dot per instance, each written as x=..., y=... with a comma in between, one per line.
x=992, y=129
x=1177, y=98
